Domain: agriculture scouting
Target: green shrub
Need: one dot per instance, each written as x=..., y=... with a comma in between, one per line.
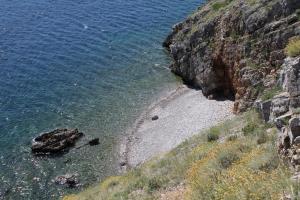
x=232, y=137
x=252, y=2
x=262, y=138
x=213, y=134
x=251, y=64
x=293, y=47
x=270, y=93
x=296, y=191
x=217, y=6
x=296, y=111
x=154, y=184
x=266, y=162
x=249, y=129
x=226, y=159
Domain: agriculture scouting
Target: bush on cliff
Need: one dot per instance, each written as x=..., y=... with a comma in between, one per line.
x=293, y=47
x=218, y=5
x=213, y=134
x=270, y=93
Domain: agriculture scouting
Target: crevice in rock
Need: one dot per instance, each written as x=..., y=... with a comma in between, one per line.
x=225, y=88
x=287, y=142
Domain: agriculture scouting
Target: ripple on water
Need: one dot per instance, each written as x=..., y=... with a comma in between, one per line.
x=87, y=64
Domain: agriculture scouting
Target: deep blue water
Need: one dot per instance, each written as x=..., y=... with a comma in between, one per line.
x=90, y=64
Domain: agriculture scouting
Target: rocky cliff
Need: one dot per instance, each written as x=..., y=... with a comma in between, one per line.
x=284, y=110
x=234, y=48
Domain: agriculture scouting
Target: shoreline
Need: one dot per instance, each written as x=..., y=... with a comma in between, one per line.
x=178, y=119
x=124, y=141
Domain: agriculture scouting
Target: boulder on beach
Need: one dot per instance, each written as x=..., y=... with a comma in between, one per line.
x=154, y=118
x=55, y=141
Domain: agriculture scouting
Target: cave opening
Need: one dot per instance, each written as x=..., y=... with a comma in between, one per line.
x=224, y=73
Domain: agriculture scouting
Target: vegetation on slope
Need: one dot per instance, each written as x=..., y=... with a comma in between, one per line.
x=235, y=160
x=270, y=93
x=293, y=47
x=221, y=4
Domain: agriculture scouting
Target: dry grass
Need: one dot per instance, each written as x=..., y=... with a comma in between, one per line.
x=255, y=173
x=175, y=193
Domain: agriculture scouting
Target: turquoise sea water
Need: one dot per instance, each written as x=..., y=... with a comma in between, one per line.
x=90, y=64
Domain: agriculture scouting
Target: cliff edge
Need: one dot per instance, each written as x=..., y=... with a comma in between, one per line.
x=234, y=48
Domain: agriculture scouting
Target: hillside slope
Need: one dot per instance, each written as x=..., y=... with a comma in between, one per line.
x=235, y=160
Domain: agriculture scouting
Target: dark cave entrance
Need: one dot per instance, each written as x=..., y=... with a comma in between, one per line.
x=224, y=74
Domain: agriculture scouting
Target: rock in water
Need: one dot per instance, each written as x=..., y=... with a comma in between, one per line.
x=94, y=142
x=69, y=180
x=55, y=141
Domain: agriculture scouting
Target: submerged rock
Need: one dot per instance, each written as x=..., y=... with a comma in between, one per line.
x=94, y=142
x=69, y=180
x=55, y=141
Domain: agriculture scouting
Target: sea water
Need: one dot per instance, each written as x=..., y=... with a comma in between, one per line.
x=87, y=64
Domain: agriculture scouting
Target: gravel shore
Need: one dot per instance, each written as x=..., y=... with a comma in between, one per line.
x=181, y=114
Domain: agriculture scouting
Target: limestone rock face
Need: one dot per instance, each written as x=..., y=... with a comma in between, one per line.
x=283, y=110
x=279, y=106
x=264, y=108
x=294, y=125
x=290, y=80
x=235, y=50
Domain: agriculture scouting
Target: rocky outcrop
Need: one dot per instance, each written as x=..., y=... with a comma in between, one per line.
x=235, y=50
x=55, y=141
x=283, y=110
x=290, y=80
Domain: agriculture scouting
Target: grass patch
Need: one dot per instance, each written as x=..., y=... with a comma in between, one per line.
x=154, y=184
x=226, y=159
x=293, y=47
x=262, y=138
x=249, y=129
x=241, y=168
x=270, y=93
x=252, y=2
x=296, y=111
x=218, y=5
x=213, y=134
x=251, y=64
x=247, y=176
